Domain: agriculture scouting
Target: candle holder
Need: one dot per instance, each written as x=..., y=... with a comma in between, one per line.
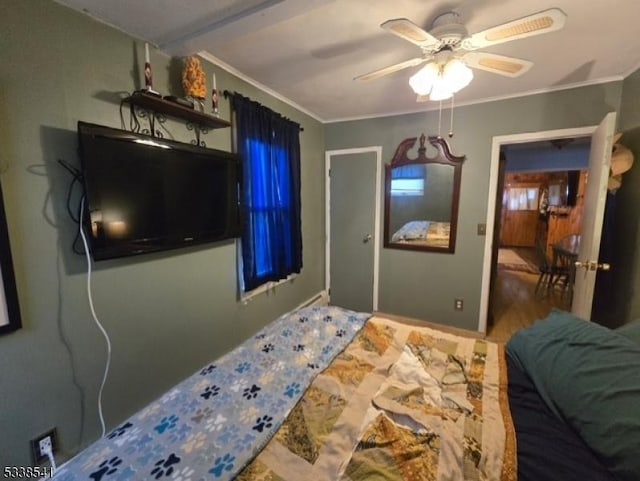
x=148, y=73
x=214, y=102
x=199, y=104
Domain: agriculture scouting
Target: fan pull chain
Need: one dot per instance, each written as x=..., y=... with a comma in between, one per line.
x=439, y=119
x=451, y=127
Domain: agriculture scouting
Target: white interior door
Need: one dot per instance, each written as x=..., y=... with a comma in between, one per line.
x=353, y=211
x=593, y=215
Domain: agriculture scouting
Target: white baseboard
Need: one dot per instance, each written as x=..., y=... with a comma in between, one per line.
x=320, y=299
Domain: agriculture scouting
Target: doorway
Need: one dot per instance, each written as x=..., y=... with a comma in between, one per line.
x=595, y=197
x=531, y=217
x=353, y=189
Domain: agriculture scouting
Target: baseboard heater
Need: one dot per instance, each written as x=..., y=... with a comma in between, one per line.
x=320, y=299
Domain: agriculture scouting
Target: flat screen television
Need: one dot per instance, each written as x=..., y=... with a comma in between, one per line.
x=146, y=194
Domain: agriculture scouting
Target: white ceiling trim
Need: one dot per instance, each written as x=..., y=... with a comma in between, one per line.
x=432, y=105
x=631, y=70
x=445, y=104
x=225, y=66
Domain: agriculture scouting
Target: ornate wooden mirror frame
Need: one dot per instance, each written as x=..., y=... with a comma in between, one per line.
x=423, y=234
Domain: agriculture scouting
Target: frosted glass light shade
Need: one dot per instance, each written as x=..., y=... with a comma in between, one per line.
x=422, y=81
x=441, y=81
x=456, y=75
x=441, y=91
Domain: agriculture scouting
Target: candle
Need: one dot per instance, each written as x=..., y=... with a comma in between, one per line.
x=148, y=76
x=214, y=95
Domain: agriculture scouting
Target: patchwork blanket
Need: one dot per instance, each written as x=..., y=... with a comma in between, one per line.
x=430, y=233
x=323, y=394
x=400, y=403
x=213, y=423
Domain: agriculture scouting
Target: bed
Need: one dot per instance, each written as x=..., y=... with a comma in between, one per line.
x=425, y=232
x=328, y=393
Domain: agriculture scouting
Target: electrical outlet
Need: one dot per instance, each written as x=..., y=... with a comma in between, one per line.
x=458, y=304
x=46, y=445
x=40, y=444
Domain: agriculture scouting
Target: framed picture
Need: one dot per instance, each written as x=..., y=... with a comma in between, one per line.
x=9, y=307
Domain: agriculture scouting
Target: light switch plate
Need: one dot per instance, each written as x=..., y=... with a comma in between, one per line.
x=482, y=229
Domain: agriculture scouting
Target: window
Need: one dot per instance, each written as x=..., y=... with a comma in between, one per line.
x=407, y=186
x=523, y=198
x=271, y=237
x=408, y=180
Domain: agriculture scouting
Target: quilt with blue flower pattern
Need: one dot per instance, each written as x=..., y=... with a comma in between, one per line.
x=213, y=423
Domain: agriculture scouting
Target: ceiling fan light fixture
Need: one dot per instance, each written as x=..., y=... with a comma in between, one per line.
x=441, y=90
x=456, y=75
x=441, y=81
x=423, y=80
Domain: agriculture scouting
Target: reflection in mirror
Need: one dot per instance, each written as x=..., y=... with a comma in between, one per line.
x=422, y=198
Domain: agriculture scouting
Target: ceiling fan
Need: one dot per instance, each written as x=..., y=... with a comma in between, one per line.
x=448, y=49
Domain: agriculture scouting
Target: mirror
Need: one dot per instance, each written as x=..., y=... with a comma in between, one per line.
x=421, y=198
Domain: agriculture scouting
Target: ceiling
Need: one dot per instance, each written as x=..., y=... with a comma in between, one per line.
x=307, y=52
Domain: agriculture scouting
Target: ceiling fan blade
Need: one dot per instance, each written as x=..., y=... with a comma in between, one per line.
x=538, y=23
x=406, y=29
x=391, y=69
x=500, y=64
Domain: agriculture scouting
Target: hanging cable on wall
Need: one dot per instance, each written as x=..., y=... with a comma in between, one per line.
x=75, y=217
x=78, y=218
x=95, y=319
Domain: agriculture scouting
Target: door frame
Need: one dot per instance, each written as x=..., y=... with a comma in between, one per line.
x=377, y=212
x=497, y=142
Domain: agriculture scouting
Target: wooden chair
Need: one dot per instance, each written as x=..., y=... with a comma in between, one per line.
x=545, y=267
x=562, y=271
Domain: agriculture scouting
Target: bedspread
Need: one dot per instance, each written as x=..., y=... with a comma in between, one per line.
x=210, y=425
x=424, y=232
x=400, y=403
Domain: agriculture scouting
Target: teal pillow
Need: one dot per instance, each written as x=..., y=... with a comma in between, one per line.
x=590, y=377
x=631, y=331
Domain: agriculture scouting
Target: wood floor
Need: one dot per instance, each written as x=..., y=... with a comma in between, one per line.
x=515, y=304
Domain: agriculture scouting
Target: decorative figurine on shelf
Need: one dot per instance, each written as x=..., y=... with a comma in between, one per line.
x=193, y=81
x=148, y=74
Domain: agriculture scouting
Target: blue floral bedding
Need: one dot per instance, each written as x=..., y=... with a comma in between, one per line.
x=214, y=422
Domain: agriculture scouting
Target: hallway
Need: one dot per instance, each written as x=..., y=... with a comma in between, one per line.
x=515, y=305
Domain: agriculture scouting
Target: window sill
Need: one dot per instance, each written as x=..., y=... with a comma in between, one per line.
x=246, y=297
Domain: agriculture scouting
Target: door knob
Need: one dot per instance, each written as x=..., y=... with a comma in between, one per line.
x=366, y=238
x=593, y=265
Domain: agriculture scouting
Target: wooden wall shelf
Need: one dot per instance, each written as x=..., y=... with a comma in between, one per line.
x=174, y=109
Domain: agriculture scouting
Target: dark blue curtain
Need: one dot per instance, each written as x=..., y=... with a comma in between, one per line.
x=411, y=171
x=269, y=145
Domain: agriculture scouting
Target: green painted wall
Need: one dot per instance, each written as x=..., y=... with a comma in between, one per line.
x=626, y=270
x=423, y=284
x=167, y=314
